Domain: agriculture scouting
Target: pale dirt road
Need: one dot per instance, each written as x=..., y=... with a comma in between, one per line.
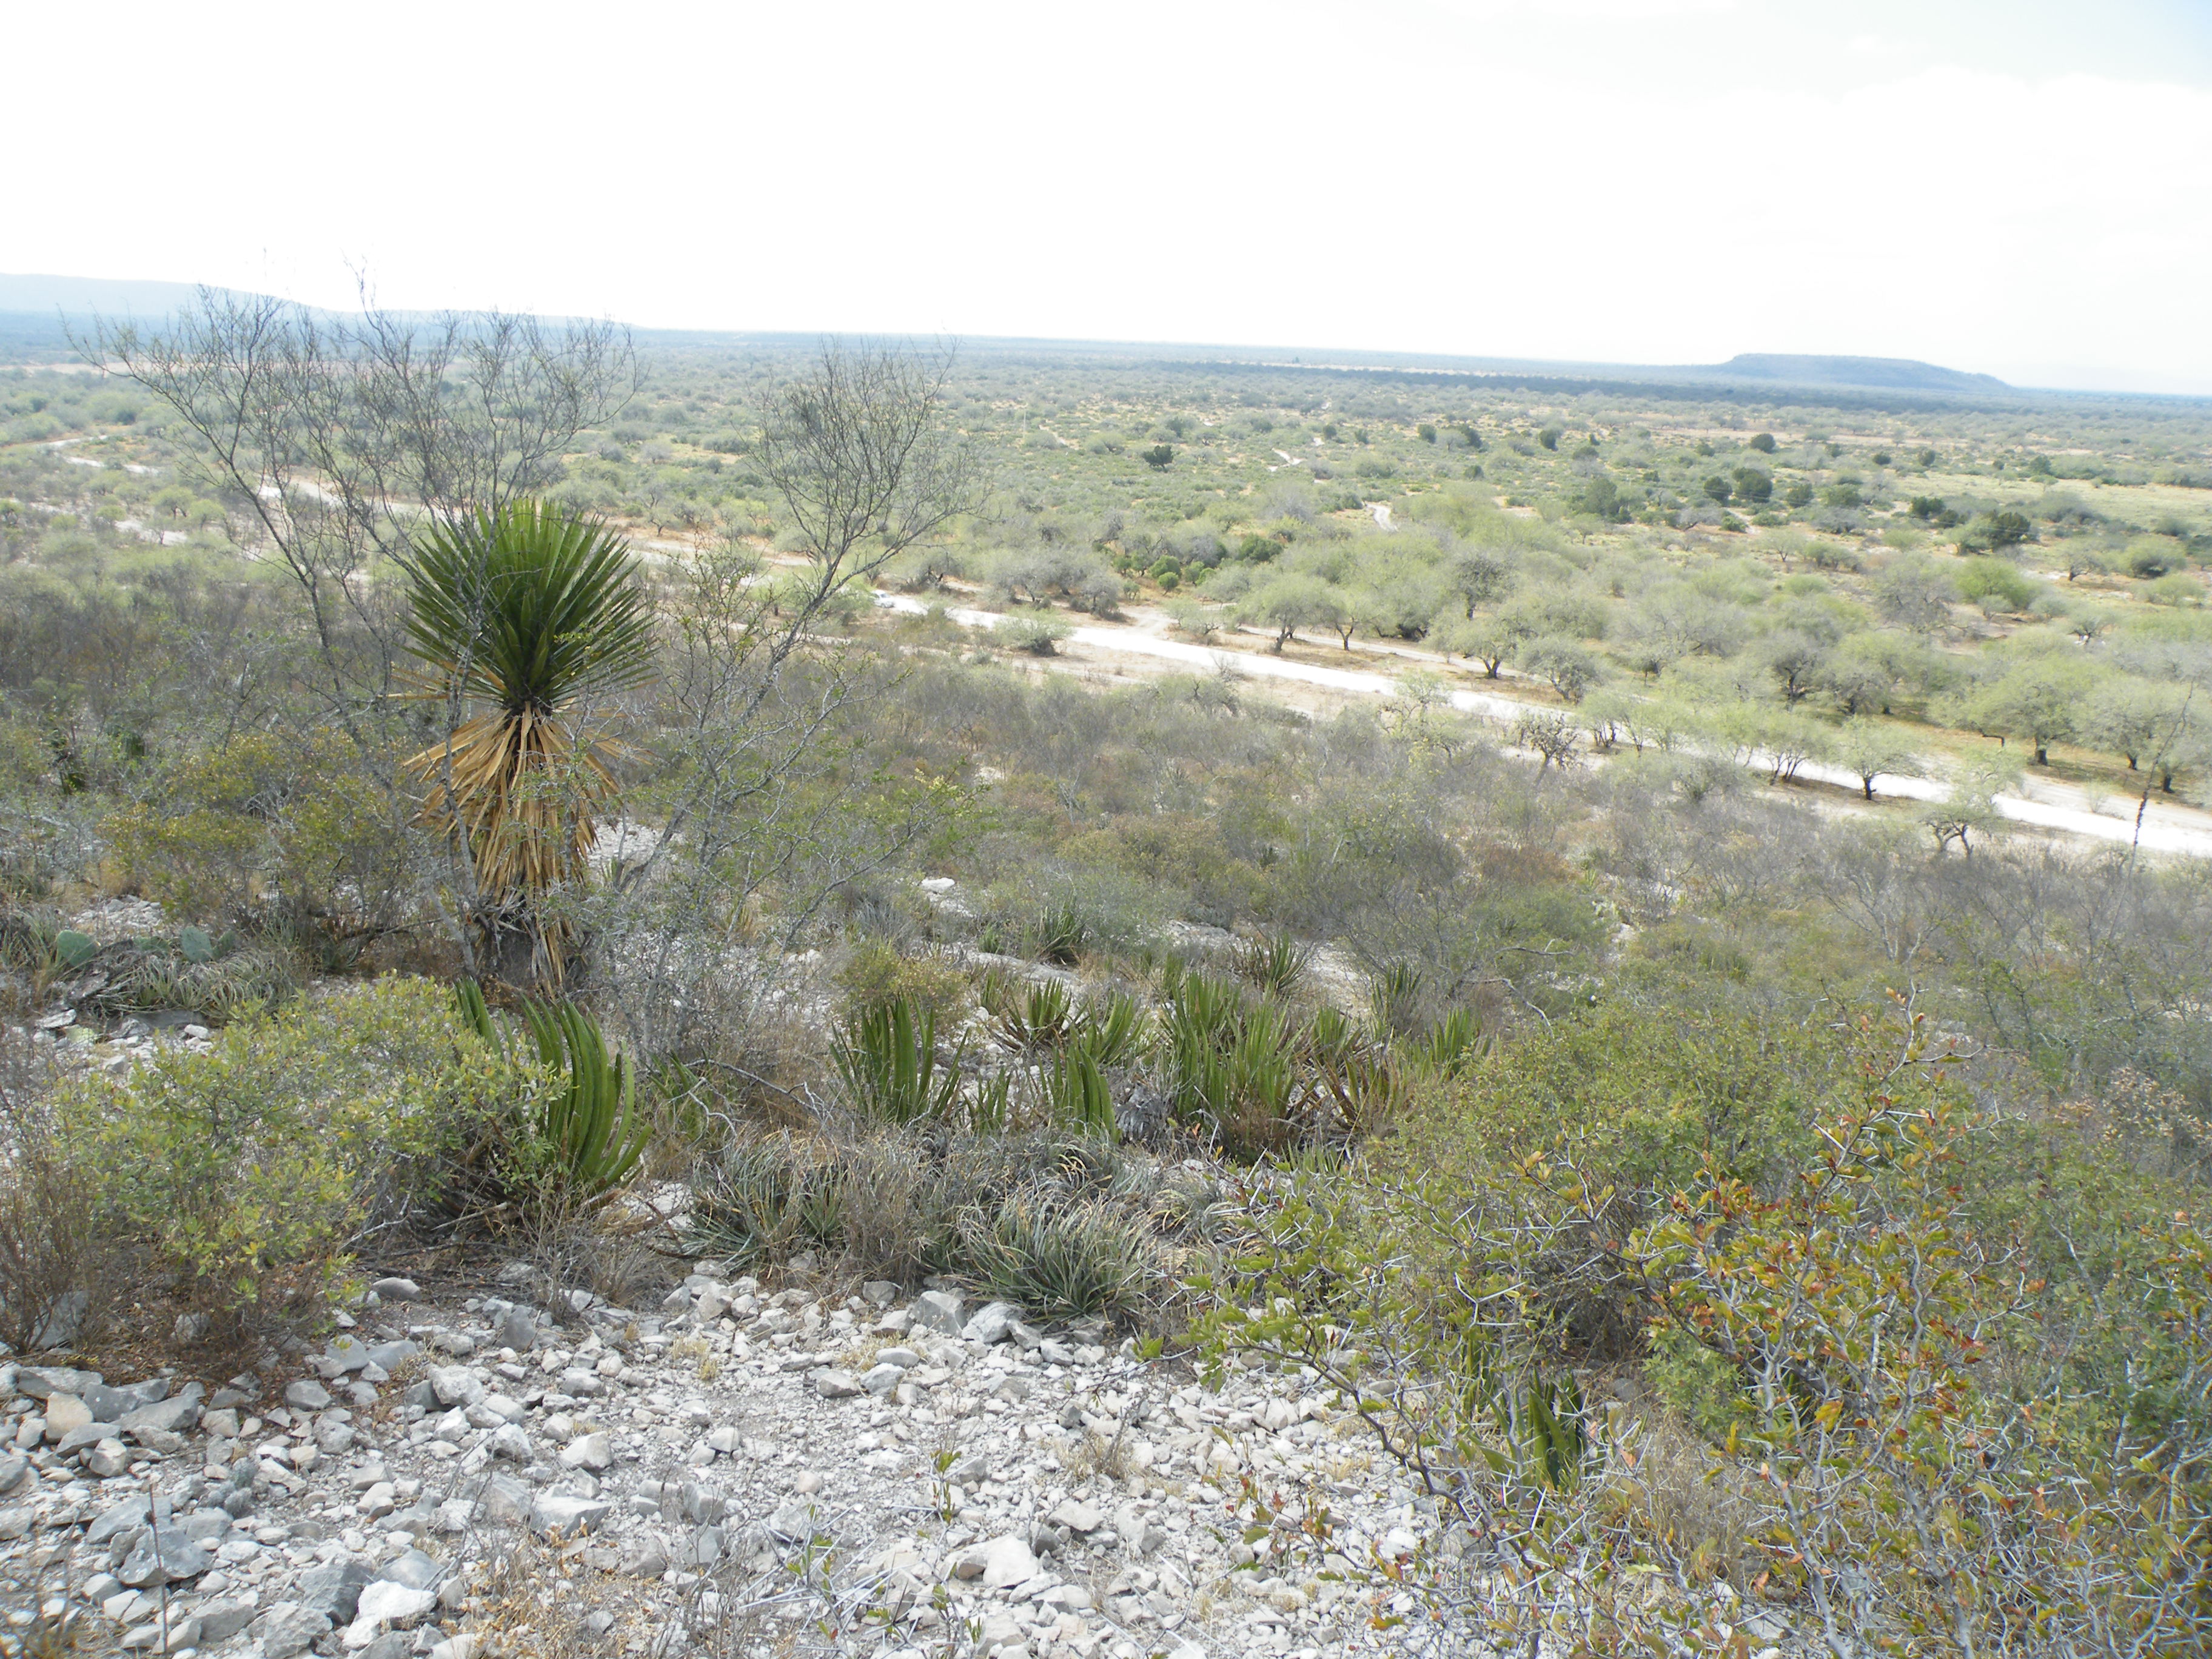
x=2053, y=805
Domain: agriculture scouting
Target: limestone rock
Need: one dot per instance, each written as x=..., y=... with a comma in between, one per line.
x=569, y=1516
x=288, y=1629
x=939, y=1311
x=388, y=1605
x=66, y=1412
x=456, y=1385
x=992, y=1322
x=588, y=1451
x=1007, y=1561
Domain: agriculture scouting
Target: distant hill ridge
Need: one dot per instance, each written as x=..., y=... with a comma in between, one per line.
x=81, y=296
x=1901, y=373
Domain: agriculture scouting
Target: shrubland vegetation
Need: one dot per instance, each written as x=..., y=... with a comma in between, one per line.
x=1715, y=1184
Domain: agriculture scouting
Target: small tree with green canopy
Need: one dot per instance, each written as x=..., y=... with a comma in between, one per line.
x=1869, y=750
x=1484, y=640
x=1567, y=664
x=1477, y=576
x=2135, y=719
x=1291, y=602
x=2039, y=701
x=1969, y=807
x=1915, y=594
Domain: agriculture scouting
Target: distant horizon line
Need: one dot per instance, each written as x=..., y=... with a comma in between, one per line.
x=69, y=296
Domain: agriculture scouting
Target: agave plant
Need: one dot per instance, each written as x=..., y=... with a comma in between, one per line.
x=1028, y=1018
x=1111, y=1030
x=886, y=1057
x=1232, y=1066
x=1275, y=962
x=586, y=1128
x=519, y=616
x=1059, y=1259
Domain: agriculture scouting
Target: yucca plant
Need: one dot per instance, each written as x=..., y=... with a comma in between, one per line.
x=1060, y=934
x=886, y=1057
x=519, y=616
x=1544, y=1425
x=1361, y=1089
x=1076, y=1087
x=1393, y=995
x=584, y=1129
x=1231, y=1065
x=1450, y=1046
x=1109, y=1030
x=991, y=1106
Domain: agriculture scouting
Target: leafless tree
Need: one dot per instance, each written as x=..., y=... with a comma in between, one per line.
x=867, y=466
x=330, y=438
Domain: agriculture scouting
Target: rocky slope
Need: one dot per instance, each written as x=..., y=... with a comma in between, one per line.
x=738, y=1471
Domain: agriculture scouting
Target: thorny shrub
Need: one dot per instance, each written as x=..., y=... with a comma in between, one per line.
x=1920, y=1437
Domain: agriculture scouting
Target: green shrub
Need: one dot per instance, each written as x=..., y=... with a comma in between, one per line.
x=877, y=975
x=249, y=1171
x=229, y=827
x=1997, y=585
x=1693, y=1382
x=1959, y=1371
x=1040, y=636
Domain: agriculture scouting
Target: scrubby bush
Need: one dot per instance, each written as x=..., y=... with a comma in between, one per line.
x=292, y=827
x=1996, y=585
x=247, y=1173
x=1893, y=1317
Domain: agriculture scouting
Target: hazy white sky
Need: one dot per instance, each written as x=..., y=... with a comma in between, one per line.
x=2009, y=186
